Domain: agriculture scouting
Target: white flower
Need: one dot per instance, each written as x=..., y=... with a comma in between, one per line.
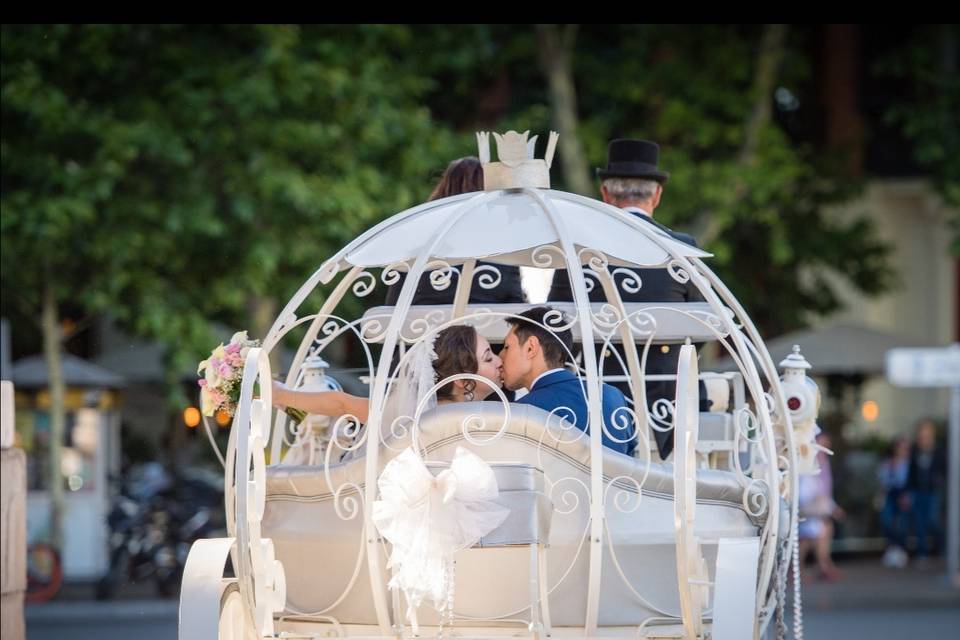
x=213, y=377
x=241, y=337
x=206, y=402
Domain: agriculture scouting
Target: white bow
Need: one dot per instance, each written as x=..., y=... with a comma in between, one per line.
x=427, y=519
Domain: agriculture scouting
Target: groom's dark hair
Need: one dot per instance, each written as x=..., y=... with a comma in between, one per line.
x=557, y=344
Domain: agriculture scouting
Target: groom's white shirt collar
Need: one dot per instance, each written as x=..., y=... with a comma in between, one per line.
x=544, y=375
x=642, y=212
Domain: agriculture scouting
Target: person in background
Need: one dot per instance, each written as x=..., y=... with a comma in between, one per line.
x=817, y=513
x=463, y=175
x=895, y=516
x=926, y=481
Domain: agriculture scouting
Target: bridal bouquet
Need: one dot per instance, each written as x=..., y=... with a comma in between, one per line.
x=222, y=374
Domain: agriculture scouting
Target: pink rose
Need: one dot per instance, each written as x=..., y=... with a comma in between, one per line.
x=233, y=347
x=202, y=382
x=224, y=370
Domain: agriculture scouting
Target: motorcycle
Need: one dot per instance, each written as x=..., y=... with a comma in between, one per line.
x=153, y=522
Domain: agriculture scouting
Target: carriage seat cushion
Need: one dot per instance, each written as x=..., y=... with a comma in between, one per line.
x=548, y=441
x=521, y=490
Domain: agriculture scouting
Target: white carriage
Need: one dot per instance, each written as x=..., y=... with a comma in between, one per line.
x=596, y=543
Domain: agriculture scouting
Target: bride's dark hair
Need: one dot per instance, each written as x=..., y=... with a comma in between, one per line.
x=456, y=349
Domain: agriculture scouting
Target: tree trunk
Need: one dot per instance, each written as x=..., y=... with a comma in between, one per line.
x=768, y=63
x=52, y=346
x=262, y=311
x=556, y=47
x=772, y=45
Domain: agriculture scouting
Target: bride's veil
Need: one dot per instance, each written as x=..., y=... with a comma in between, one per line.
x=412, y=390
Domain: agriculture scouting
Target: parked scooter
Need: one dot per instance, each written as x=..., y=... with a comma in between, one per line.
x=153, y=522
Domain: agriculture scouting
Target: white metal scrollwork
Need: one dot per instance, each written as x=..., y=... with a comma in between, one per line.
x=692, y=573
x=260, y=575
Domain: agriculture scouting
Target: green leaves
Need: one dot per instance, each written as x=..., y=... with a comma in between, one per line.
x=754, y=197
x=927, y=110
x=169, y=173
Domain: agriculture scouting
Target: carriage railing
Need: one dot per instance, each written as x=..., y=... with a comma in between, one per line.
x=743, y=471
x=260, y=576
x=761, y=421
x=255, y=414
x=764, y=420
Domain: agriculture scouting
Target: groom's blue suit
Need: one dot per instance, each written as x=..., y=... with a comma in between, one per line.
x=564, y=389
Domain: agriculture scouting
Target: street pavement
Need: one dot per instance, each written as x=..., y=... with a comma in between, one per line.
x=868, y=601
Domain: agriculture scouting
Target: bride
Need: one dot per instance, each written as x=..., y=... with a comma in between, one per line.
x=425, y=533
x=455, y=350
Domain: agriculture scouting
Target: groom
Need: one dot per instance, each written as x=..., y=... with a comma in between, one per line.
x=534, y=358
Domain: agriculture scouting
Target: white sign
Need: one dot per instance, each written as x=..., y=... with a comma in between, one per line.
x=6, y=414
x=924, y=367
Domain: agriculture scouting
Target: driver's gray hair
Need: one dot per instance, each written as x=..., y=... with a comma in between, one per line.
x=630, y=189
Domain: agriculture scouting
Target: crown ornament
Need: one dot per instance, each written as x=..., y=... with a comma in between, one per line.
x=517, y=168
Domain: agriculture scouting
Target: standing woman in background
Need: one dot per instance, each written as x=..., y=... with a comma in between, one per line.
x=464, y=175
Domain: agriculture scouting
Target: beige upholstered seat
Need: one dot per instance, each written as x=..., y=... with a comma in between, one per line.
x=323, y=553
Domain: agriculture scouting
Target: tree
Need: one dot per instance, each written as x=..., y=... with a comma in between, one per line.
x=556, y=48
x=756, y=191
x=176, y=175
x=757, y=196
x=928, y=113
x=59, y=166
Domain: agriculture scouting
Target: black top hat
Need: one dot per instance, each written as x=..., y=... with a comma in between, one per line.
x=633, y=159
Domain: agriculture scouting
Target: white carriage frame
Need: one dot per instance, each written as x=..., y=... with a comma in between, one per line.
x=768, y=426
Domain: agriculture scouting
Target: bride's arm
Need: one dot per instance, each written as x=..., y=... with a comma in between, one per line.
x=324, y=403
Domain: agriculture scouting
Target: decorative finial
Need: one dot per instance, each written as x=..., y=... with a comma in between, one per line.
x=483, y=144
x=795, y=360
x=513, y=149
x=517, y=167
